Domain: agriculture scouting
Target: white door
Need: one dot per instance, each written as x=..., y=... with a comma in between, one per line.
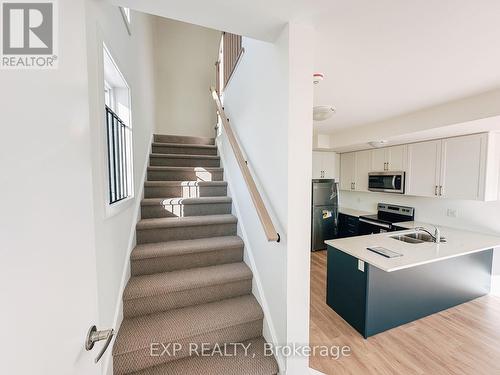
x=363, y=166
x=347, y=170
x=317, y=161
x=424, y=162
x=48, y=281
x=396, y=158
x=463, y=167
x=378, y=160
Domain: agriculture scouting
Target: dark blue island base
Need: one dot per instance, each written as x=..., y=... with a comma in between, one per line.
x=373, y=300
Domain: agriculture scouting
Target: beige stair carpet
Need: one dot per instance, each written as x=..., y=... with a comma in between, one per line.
x=189, y=286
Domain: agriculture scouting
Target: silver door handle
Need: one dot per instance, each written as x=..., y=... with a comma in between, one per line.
x=440, y=190
x=94, y=336
x=436, y=190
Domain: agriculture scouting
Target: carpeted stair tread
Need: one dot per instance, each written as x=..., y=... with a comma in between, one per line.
x=185, y=145
x=169, y=222
x=256, y=362
x=138, y=333
x=176, y=169
x=183, y=139
x=168, y=282
x=184, y=156
x=173, y=248
x=184, y=183
x=184, y=201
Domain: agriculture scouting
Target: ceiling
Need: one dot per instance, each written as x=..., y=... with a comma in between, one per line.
x=381, y=58
x=259, y=19
x=385, y=58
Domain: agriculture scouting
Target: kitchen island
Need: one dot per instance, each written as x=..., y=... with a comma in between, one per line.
x=374, y=293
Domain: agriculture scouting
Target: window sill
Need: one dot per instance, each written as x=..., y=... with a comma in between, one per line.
x=116, y=208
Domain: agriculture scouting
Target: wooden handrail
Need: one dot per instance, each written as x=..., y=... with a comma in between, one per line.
x=265, y=218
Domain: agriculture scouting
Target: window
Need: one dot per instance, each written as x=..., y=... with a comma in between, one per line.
x=109, y=95
x=126, y=14
x=118, y=132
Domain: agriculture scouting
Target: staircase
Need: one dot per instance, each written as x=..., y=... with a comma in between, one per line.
x=189, y=285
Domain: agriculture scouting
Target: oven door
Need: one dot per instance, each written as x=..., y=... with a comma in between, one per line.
x=367, y=226
x=387, y=182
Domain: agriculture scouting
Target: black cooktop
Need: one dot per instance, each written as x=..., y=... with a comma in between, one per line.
x=390, y=213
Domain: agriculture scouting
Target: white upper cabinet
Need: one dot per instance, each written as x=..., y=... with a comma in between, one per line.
x=389, y=159
x=463, y=167
x=326, y=165
x=379, y=160
x=457, y=168
x=317, y=167
x=363, y=163
x=424, y=163
x=347, y=170
x=331, y=162
x=396, y=158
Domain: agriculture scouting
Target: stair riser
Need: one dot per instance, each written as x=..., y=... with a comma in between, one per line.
x=186, y=261
x=185, y=233
x=139, y=360
x=180, y=210
x=184, y=191
x=184, y=176
x=181, y=162
x=183, y=139
x=184, y=150
x=155, y=304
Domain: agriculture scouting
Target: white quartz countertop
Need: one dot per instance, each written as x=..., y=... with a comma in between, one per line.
x=459, y=242
x=353, y=212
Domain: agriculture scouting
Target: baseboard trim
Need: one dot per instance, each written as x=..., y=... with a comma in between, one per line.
x=108, y=358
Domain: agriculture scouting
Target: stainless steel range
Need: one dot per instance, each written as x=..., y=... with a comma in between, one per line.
x=387, y=215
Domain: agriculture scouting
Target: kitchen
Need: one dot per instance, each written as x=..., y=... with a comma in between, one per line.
x=405, y=228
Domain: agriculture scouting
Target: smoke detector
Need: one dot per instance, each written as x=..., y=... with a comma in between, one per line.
x=318, y=77
x=323, y=112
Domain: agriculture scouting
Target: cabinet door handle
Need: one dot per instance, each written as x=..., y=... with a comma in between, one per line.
x=440, y=190
x=436, y=190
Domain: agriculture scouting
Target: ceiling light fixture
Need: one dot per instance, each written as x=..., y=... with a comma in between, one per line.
x=323, y=112
x=378, y=144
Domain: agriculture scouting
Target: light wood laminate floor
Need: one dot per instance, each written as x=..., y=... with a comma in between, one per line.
x=463, y=340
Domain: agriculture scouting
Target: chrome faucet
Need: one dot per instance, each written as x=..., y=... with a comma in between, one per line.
x=436, y=237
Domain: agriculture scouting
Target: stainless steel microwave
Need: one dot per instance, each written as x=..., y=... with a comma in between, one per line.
x=387, y=182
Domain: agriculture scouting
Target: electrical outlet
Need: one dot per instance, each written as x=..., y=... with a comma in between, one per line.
x=452, y=212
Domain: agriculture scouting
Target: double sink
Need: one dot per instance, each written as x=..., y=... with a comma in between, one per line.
x=415, y=237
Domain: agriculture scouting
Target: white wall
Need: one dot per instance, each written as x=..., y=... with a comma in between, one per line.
x=258, y=111
x=300, y=142
x=47, y=268
x=472, y=108
x=185, y=68
x=115, y=228
x=272, y=116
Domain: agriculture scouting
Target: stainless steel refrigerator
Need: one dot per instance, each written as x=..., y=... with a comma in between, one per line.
x=325, y=212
